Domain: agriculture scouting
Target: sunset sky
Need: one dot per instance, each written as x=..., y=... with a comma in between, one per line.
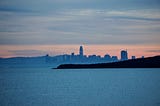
x=39, y=27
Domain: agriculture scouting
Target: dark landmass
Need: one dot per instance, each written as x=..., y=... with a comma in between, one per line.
x=150, y=62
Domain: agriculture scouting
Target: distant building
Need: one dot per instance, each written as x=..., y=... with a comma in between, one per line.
x=124, y=55
x=81, y=51
x=92, y=57
x=114, y=58
x=72, y=54
x=133, y=57
x=107, y=57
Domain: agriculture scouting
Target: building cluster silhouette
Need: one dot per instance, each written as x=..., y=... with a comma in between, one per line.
x=81, y=58
x=72, y=58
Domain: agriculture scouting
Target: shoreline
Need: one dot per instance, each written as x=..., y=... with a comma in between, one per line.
x=150, y=62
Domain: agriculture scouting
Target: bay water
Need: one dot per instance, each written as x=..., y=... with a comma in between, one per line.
x=33, y=86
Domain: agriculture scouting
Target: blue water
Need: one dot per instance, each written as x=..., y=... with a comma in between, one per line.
x=79, y=87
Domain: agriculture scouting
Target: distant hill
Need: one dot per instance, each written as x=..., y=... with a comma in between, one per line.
x=150, y=62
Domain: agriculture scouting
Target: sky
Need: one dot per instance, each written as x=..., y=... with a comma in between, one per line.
x=39, y=27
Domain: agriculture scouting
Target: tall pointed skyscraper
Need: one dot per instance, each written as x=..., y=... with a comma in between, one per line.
x=81, y=51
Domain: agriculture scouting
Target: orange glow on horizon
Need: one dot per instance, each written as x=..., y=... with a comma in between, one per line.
x=113, y=50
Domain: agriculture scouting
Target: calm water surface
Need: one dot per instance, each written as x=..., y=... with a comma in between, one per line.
x=79, y=87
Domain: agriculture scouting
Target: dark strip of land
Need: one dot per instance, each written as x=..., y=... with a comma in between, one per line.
x=150, y=62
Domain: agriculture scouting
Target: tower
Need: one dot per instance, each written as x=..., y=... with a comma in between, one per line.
x=81, y=51
x=124, y=55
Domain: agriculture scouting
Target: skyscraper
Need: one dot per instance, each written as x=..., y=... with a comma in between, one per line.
x=81, y=51
x=124, y=55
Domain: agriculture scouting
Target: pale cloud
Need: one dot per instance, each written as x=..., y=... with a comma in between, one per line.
x=77, y=26
x=145, y=13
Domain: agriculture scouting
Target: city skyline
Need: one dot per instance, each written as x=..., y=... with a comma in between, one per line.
x=38, y=27
x=82, y=58
x=18, y=51
x=82, y=51
x=71, y=58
